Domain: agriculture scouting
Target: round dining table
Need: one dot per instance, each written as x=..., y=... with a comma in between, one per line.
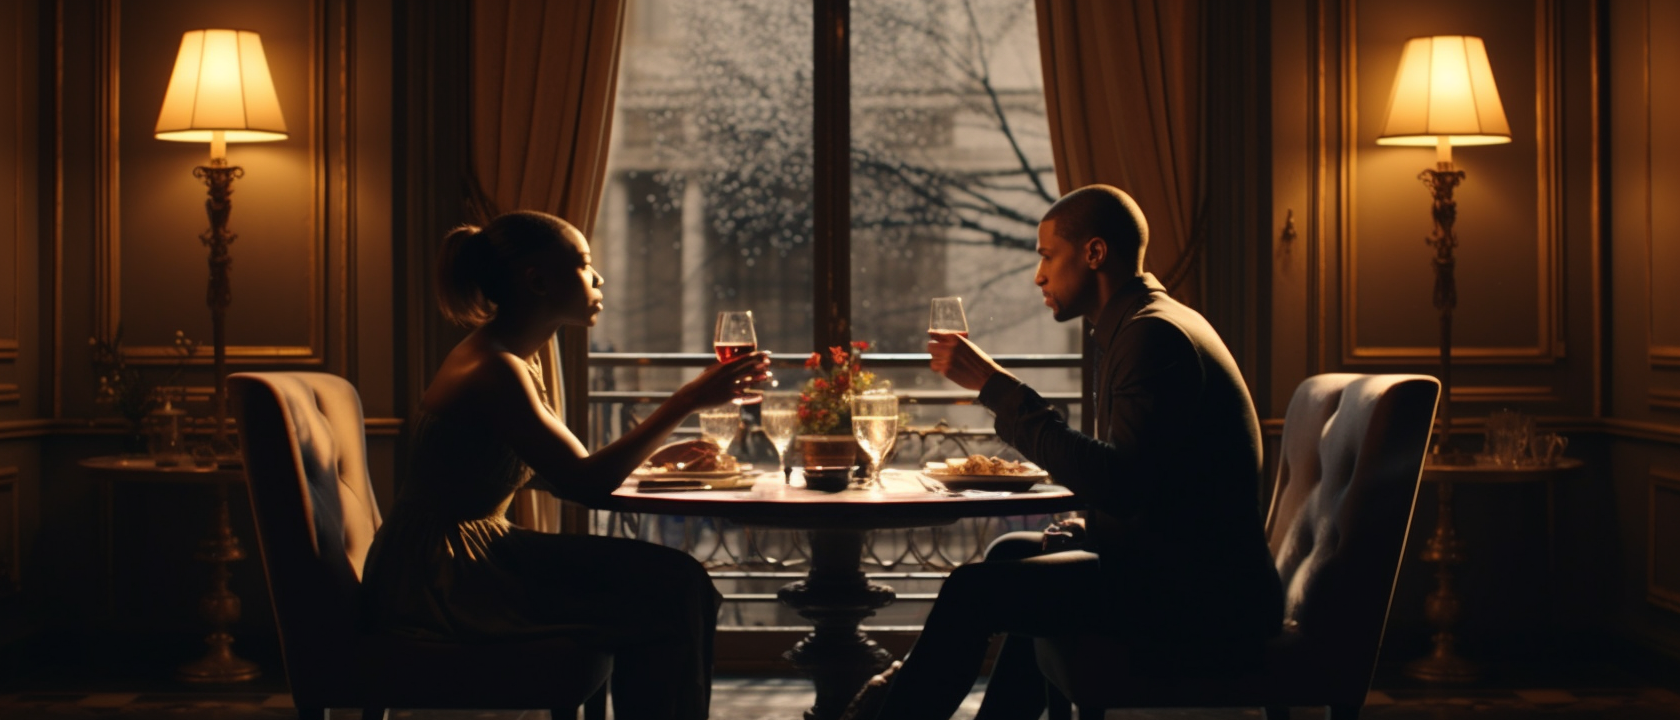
x=835, y=594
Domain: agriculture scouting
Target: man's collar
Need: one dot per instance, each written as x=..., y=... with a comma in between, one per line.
x=1131, y=293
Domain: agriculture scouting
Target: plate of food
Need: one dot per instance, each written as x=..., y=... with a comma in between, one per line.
x=985, y=472
x=690, y=460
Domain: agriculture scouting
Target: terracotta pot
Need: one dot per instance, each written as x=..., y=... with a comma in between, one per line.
x=831, y=450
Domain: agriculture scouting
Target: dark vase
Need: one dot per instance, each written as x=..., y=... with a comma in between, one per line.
x=831, y=451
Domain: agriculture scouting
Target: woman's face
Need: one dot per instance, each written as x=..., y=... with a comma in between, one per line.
x=578, y=286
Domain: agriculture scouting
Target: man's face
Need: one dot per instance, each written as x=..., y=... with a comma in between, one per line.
x=1064, y=276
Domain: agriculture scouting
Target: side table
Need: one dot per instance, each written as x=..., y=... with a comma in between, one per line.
x=220, y=606
x=1443, y=606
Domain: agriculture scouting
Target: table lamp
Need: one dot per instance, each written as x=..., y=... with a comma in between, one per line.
x=220, y=92
x=1444, y=95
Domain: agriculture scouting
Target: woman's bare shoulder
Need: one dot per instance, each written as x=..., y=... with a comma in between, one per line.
x=475, y=378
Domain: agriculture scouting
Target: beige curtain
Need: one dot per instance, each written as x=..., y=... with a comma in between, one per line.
x=544, y=77
x=1122, y=83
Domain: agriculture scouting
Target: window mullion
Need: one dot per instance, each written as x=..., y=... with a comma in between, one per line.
x=831, y=130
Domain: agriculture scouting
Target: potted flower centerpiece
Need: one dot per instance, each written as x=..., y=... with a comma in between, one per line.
x=825, y=406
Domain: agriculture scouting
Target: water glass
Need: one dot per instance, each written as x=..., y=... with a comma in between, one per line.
x=718, y=425
x=1545, y=449
x=875, y=425
x=1508, y=436
x=779, y=416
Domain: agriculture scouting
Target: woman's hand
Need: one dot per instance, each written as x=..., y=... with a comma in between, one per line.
x=955, y=357
x=725, y=381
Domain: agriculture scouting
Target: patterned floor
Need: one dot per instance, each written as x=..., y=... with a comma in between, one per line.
x=783, y=699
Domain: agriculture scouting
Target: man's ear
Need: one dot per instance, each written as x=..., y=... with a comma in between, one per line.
x=1096, y=252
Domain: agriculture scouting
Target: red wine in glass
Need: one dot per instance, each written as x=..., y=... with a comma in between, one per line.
x=945, y=315
x=735, y=337
x=727, y=351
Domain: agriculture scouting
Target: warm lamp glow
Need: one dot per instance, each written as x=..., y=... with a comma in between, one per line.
x=221, y=92
x=1444, y=95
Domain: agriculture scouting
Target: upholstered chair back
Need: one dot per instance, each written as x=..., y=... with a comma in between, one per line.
x=305, y=457
x=1347, y=481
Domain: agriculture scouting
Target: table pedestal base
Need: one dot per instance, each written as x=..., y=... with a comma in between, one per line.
x=836, y=596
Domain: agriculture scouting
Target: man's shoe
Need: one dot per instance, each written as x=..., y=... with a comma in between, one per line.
x=867, y=704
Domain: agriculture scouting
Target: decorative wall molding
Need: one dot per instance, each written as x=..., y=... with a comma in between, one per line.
x=1663, y=399
x=28, y=429
x=307, y=122
x=1662, y=540
x=10, y=335
x=10, y=533
x=1639, y=430
x=1505, y=393
x=1548, y=346
x=1662, y=218
x=43, y=427
x=382, y=427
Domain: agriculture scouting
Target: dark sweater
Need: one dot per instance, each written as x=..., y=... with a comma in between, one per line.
x=1171, y=479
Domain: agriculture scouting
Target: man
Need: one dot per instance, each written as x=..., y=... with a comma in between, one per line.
x=1174, y=561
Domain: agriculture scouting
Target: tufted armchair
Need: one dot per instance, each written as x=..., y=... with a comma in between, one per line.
x=306, y=461
x=1352, y=453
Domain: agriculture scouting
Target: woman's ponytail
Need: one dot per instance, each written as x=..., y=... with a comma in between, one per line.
x=460, y=277
x=476, y=266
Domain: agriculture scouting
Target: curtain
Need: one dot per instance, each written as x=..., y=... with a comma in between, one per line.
x=1122, y=89
x=544, y=78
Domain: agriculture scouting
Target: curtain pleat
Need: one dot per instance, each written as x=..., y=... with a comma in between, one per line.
x=544, y=77
x=1122, y=89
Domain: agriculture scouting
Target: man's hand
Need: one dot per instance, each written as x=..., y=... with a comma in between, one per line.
x=1064, y=535
x=961, y=361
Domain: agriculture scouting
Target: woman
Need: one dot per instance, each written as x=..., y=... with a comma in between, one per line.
x=447, y=565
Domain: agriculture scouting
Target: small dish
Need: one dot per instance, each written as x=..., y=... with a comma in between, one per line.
x=828, y=479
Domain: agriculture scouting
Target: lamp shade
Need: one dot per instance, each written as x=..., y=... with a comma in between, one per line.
x=221, y=84
x=1444, y=90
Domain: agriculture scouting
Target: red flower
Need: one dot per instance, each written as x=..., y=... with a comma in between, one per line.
x=839, y=354
x=860, y=344
x=819, y=385
x=841, y=382
x=813, y=362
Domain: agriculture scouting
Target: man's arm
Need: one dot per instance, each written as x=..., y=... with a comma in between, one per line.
x=1151, y=377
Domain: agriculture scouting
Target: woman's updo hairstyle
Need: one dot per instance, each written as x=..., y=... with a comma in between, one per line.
x=477, y=266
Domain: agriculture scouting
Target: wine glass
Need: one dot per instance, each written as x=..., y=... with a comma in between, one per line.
x=779, y=415
x=718, y=425
x=735, y=337
x=875, y=425
x=945, y=315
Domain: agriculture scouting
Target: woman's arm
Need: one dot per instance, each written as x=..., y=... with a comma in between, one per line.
x=540, y=439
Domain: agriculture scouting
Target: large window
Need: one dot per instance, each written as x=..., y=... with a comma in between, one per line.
x=712, y=205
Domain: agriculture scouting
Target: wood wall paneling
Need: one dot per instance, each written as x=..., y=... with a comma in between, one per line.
x=154, y=264
x=10, y=542
x=1508, y=309
x=13, y=181
x=1292, y=220
x=1662, y=189
x=1662, y=577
